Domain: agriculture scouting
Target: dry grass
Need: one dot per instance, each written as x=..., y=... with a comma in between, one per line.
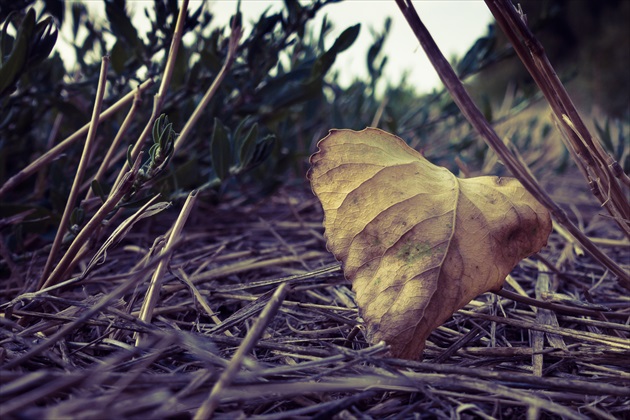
x=238, y=311
x=256, y=320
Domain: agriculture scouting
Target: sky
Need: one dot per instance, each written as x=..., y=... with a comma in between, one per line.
x=454, y=24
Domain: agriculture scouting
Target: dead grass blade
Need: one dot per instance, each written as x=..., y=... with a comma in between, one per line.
x=208, y=407
x=78, y=179
x=153, y=292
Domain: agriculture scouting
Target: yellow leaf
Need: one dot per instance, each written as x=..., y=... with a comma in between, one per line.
x=416, y=242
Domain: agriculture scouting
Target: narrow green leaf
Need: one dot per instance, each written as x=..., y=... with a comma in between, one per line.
x=167, y=136
x=263, y=149
x=97, y=188
x=347, y=38
x=155, y=132
x=248, y=147
x=152, y=151
x=43, y=41
x=120, y=22
x=12, y=68
x=327, y=59
x=220, y=150
x=238, y=133
x=129, y=160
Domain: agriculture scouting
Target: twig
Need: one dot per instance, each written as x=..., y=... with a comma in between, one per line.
x=235, y=37
x=63, y=331
x=146, y=312
x=476, y=118
x=559, y=308
x=211, y=403
x=78, y=179
x=160, y=97
x=601, y=168
x=68, y=258
x=615, y=342
x=181, y=274
x=106, y=163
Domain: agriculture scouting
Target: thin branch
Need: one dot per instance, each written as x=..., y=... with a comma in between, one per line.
x=107, y=161
x=601, y=168
x=68, y=258
x=159, y=98
x=477, y=120
x=78, y=179
x=231, y=56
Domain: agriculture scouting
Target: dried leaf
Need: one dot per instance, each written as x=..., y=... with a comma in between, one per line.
x=416, y=242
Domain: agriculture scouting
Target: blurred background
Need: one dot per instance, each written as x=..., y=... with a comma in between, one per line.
x=303, y=67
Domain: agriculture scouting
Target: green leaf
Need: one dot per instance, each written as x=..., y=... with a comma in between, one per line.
x=347, y=38
x=166, y=136
x=97, y=188
x=12, y=68
x=119, y=56
x=120, y=22
x=263, y=149
x=343, y=42
x=221, y=155
x=248, y=146
x=152, y=151
x=155, y=130
x=238, y=133
x=43, y=41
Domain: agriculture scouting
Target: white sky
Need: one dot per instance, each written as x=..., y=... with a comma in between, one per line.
x=454, y=24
